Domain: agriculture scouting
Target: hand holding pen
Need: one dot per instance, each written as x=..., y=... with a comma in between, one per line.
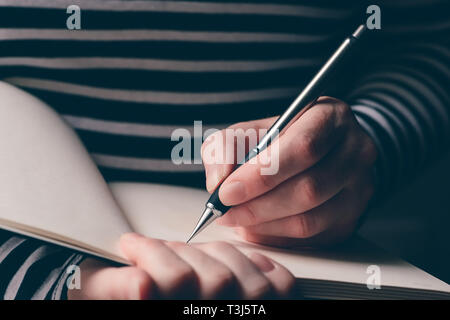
x=325, y=176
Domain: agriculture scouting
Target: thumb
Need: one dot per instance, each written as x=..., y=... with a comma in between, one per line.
x=218, y=157
x=222, y=150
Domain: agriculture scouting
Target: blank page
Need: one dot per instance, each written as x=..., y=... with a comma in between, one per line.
x=48, y=183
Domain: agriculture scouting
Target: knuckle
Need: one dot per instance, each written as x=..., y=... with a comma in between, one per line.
x=306, y=147
x=260, y=289
x=186, y=273
x=308, y=191
x=304, y=226
x=344, y=110
x=342, y=113
x=223, y=280
x=250, y=216
x=266, y=181
x=326, y=111
x=181, y=277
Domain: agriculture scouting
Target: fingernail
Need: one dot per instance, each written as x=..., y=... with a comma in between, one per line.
x=232, y=193
x=263, y=263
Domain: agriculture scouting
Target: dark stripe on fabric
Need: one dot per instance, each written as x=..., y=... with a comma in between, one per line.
x=10, y=264
x=180, y=50
x=168, y=80
x=95, y=20
x=189, y=179
x=133, y=146
x=161, y=114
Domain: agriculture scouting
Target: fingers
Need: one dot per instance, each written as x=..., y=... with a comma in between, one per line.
x=215, y=279
x=322, y=156
x=102, y=282
x=256, y=277
x=208, y=270
x=282, y=280
x=298, y=194
x=307, y=224
x=252, y=282
x=223, y=149
x=168, y=270
x=303, y=144
x=328, y=223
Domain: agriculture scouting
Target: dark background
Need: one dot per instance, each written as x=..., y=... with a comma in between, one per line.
x=415, y=223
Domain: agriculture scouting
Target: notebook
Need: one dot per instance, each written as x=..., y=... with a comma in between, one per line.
x=53, y=191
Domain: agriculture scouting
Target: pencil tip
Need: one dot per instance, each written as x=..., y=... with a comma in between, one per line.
x=192, y=235
x=207, y=217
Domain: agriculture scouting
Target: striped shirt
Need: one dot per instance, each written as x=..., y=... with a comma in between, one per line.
x=137, y=70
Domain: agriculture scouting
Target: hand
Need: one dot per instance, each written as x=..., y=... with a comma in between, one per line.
x=322, y=186
x=174, y=270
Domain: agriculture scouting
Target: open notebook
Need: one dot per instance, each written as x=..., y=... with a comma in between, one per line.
x=53, y=191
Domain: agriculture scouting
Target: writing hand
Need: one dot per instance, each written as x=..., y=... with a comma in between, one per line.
x=323, y=184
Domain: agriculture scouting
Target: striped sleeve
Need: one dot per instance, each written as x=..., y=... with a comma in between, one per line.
x=32, y=269
x=402, y=98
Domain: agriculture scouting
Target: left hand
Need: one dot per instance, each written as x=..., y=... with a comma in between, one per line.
x=322, y=186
